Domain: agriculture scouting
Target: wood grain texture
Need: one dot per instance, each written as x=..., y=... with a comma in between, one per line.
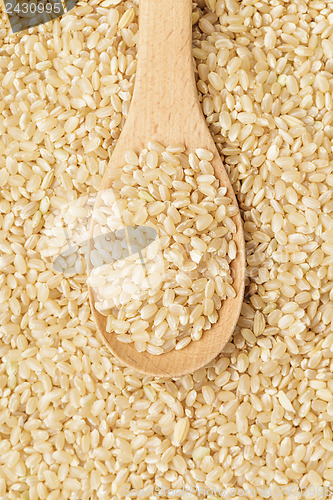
x=166, y=108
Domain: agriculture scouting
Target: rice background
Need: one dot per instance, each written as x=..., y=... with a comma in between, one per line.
x=74, y=424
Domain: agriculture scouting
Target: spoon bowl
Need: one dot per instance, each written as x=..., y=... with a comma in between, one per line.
x=165, y=108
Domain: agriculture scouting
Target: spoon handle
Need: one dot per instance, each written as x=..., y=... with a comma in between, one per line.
x=165, y=90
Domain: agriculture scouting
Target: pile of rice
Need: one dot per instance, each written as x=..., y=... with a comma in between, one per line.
x=163, y=246
x=74, y=424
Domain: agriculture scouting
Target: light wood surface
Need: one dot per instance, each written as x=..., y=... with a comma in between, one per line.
x=165, y=107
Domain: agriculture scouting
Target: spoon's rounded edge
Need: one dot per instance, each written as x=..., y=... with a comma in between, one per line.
x=198, y=353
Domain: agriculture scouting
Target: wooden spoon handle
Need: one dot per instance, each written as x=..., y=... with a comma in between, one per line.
x=165, y=90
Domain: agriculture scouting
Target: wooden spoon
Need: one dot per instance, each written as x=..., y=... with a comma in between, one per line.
x=166, y=108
